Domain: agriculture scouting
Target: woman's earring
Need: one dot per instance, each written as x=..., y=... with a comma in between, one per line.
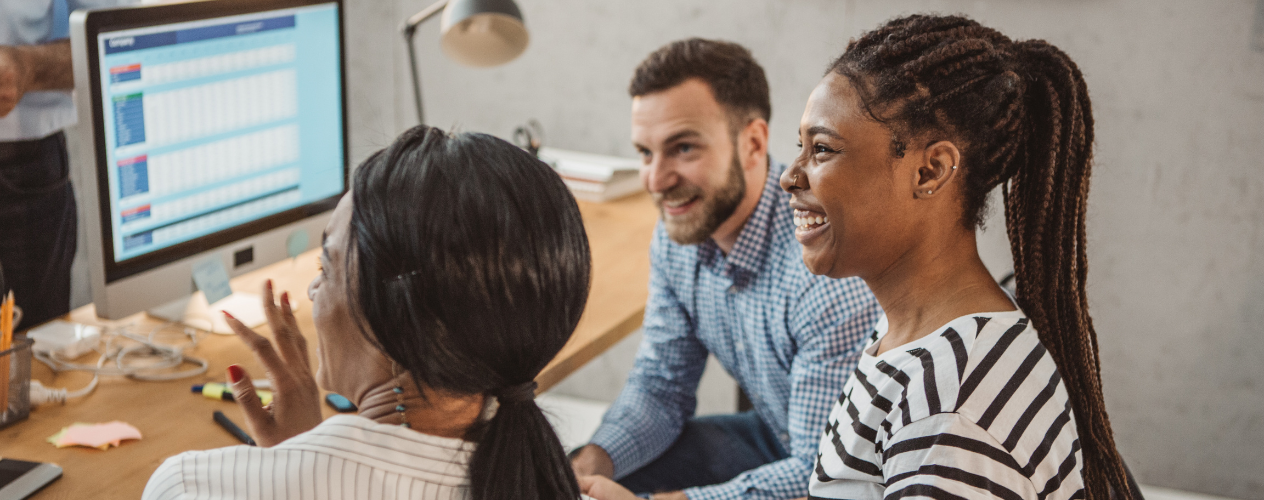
x=399, y=396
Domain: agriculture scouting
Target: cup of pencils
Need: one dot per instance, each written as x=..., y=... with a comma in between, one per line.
x=15, y=368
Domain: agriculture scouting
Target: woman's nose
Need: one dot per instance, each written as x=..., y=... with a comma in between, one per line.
x=790, y=181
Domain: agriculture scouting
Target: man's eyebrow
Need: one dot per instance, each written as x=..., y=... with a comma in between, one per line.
x=818, y=129
x=683, y=134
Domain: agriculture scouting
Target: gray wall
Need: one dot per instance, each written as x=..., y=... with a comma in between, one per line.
x=1176, y=212
x=1177, y=207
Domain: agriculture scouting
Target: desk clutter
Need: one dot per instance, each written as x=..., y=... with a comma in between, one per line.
x=15, y=368
x=594, y=177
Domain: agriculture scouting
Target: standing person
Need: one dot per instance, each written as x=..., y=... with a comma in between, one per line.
x=38, y=222
x=962, y=391
x=726, y=278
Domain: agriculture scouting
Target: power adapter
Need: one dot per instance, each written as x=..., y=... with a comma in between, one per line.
x=65, y=339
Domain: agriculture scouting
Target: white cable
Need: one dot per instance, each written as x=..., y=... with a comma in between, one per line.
x=145, y=359
x=42, y=395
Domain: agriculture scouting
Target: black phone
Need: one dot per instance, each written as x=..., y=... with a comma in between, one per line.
x=340, y=403
x=20, y=479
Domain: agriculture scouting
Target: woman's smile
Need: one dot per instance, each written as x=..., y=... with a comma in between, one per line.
x=809, y=224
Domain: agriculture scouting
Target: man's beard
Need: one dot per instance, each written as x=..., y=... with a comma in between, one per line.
x=712, y=211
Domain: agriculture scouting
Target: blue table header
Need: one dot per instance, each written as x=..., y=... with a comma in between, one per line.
x=129, y=43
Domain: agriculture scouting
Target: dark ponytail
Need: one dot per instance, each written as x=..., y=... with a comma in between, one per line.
x=502, y=445
x=473, y=270
x=1022, y=112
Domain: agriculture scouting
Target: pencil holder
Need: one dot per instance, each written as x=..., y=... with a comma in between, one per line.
x=15, y=382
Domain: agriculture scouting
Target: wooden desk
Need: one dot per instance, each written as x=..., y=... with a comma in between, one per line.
x=174, y=420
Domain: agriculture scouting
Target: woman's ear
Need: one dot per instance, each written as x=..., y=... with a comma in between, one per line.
x=940, y=162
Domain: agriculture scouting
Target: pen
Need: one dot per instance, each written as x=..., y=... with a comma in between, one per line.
x=6, y=341
x=232, y=428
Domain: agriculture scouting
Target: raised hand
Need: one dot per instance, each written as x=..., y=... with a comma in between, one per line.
x=295, y=404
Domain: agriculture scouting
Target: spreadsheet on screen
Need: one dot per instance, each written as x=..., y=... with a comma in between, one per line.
x=215, y=123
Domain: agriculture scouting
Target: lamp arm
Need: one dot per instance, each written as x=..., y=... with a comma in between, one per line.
x=421, y=16
x=410, y=31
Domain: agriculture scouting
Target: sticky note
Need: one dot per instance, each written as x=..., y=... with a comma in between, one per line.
x=212, y=279
x=296, y=243
x=99, y=436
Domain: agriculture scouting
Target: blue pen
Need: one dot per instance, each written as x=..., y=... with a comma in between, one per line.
x=228, y=425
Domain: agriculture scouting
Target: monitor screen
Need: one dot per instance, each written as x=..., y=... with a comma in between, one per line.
x=211, y=124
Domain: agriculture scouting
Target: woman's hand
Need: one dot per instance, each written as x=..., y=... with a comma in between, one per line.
x=604, y=488
x=295, y=404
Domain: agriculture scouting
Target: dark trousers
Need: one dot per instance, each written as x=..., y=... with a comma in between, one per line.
x=710, y=450
x=38, y=226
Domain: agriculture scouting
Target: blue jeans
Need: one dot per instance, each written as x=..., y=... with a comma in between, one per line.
x=710, y=450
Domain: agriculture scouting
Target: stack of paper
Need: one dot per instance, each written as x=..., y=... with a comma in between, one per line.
x=594, y=177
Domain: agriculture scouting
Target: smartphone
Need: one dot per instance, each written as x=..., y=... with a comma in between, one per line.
x=340, y=403
x=20, y=479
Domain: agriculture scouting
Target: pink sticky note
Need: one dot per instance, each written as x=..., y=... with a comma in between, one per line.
x=98, y=435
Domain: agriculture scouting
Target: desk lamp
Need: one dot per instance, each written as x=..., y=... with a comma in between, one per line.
x=480, y=33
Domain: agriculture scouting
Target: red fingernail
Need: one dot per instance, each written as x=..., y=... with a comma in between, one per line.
x=285, y=297
x=227, y=314
x=269, y=284
x=235, y=373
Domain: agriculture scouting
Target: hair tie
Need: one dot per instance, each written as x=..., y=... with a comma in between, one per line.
x=516, y=393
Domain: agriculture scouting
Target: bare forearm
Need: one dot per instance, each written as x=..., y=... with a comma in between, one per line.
x=42, y=67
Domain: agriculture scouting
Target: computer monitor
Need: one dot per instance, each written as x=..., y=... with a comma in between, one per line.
x=217, y=131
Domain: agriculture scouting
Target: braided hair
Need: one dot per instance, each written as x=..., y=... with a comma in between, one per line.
x=1021, y=112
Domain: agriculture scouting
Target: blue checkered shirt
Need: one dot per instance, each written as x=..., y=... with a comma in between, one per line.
x=790, y=339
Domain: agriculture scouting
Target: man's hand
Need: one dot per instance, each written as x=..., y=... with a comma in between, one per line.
x=13, y=79
x=604, y=488
x=25, y=68
x=592, y=460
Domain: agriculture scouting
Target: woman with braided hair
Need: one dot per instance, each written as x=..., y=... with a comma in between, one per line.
x=962, y=391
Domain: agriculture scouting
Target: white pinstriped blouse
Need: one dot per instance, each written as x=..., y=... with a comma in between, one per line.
x=345, y=457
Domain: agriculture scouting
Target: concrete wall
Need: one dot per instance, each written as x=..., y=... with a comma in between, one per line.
x=1176, y=212
x=1177, y=207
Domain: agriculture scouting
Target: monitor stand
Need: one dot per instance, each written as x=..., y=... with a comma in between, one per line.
x=192, y=310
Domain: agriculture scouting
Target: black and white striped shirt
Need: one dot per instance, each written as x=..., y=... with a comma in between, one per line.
x=976, y=409
x=345, y=457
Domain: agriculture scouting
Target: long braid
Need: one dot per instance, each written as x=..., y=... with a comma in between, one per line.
x=1023, y=115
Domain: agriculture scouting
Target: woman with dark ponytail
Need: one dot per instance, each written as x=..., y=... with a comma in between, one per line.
x=453, y=272
x=963, y=391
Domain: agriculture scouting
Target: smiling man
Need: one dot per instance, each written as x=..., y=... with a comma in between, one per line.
x=727, y=278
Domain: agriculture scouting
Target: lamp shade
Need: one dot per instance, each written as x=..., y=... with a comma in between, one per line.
x=483, y=32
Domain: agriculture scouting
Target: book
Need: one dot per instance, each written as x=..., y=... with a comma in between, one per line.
x=594, y=177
